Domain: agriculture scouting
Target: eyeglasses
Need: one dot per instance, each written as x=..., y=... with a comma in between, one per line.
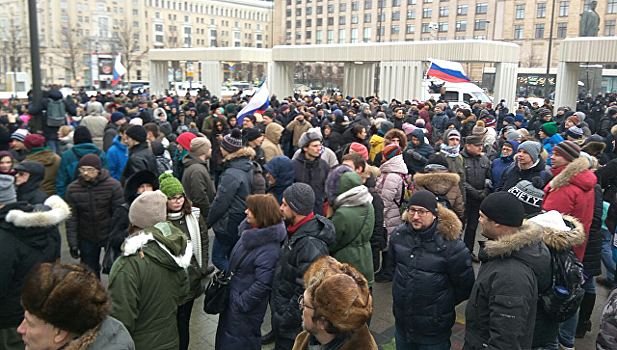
x=421, y=212
x=87, y=170
x=302, y=304
x=177, y=198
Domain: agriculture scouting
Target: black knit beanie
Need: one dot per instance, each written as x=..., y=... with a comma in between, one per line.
x=503, y=208
x=424, y=199
x=82, y=135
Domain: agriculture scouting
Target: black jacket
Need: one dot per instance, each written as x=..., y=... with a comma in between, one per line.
x=336, y=139
x=378, y=239
x=513, y=175
x=593, y=250
x=298, y=252
x=111, y=131
x=140, y=158
x=92, y=206
x=501, y=310
x=29, y=191
x=313, y=173
x=38, y=122
x=604, y=128
x=477, y=170
x=433, y=274
x=29, y=236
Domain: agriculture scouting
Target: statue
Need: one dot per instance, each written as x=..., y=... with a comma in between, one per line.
x=590, y=21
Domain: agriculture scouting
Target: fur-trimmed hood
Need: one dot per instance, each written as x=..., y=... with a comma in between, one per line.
x=242, y=152
x=507, y=245
x=571, y=235
x=438, y=183
x=253, y=237
x=175, y=252
x=51, y=213
x=576, y=173
x=449, y=225
x=594, y=147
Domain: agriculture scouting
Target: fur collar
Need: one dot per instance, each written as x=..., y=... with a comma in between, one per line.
x=449, y=225
x=242, y=152
x=574, y=168
x=594, y=147
x=506, y=245
x=425, y=179
x=471, y=118
x=256, y=237
x=85, y=340
x=614, y=130
x=59, y=212
x=561, y=240
x=138, y=242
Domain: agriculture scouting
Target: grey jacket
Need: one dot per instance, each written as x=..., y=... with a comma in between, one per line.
x=112, y=335
x=477, y=170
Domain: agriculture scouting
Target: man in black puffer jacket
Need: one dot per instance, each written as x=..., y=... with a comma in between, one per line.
x=308, y=238
x=310, y=168
x=433, y=273
x=140, y=155
x=93, y=197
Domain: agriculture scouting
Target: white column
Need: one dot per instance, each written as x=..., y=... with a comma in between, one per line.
x=401, y=80
x=159, y=81
x=281, y=79
x=566, y=88
x=359, y=79
x=212, y=77
x=505, y=84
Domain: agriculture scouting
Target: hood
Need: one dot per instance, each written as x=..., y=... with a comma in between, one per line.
x=576, y=173
x=55, y=95
x=555, y=139
x=437, y=183
x=448, y=224
x=561, y=232
x=420, y=135
x=243, y=152
x=157, y=148
x=191, y=159
x=282, y=170
x=506, y=246
x=333, y=182
x=46, y=157
x=82, y=149
x=274, y=132
x=31, y=223
x=594, y=147
x=376, y=140
x=37, y=174
x=256, y=237
x=164, y=243
x=119, y=144
x=133, y=183
x=351, y=192
x=394, y=165
x=340, y=128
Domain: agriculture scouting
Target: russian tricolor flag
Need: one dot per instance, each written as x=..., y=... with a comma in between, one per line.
x=258, y=103
x=119, y=71
x=447, y=71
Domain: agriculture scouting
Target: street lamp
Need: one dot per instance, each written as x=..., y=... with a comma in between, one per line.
x=550, y=49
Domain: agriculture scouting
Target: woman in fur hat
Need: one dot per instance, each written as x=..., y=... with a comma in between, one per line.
x=253, y=259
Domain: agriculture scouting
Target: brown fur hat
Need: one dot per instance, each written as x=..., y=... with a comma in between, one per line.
x=339, y=293
x=396, y=133
x=69, y=297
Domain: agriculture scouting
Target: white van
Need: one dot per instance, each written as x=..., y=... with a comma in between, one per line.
x=457, y=93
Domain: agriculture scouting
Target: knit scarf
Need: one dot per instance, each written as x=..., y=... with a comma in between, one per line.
x=194, y=232
x=357, y=196
x=450, y=151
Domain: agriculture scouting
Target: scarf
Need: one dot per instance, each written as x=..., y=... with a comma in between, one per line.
x=194, y=232
x=357, y=196
x=450, y=151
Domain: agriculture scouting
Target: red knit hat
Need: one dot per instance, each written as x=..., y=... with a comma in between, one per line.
x=185, y=139
x=33, y=141
x=359, y=148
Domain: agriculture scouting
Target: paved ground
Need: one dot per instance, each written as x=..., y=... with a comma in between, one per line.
x=203, y=326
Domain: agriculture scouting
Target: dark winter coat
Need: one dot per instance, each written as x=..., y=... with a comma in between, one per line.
x=227, y=209
x=501, y=311
x=29, y=235
x=442, y=184
x=606, y=123
x=70, y=160
x=593, y=251
x=282, y=170
x=378, y=239
x=477, y=170
x=92, y=206
x=30, y=192
x=336, y=138
x=140, y=158
x=497, y=168
x=197, y=184
x=51, y=162
x=313, y=173
x=110, y=133
x=513, y=175
x=250, y=287
x=298, y=252
x=38, y=122
x=424, y=150
x=607, y=337
x=433, y=274
x=607, y=177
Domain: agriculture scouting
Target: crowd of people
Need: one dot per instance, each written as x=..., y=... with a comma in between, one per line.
x=311, y=201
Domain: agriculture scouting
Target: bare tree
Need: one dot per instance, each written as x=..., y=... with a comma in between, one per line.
x=15, y=48
x=531, y=59
x=128, y=47
x=173, y=41
x=71, y=50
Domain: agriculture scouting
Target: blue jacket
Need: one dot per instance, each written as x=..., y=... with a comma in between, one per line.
x=70, y=160
x=117, y=156
x=282, y=170
x=424, y=150
x=439, y=122
x=549, y=144
x=249, y=289
x=227, y=209
x=433, y=274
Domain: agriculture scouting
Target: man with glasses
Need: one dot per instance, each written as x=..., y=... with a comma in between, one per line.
x=433, y=274
x=93, y=198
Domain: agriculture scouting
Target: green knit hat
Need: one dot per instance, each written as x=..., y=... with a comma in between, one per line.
x=169, y=185
x=549, y=128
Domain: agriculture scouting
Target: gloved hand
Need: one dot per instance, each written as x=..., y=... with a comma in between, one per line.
x=75, y=253
x=415, y=155
x=488, y=184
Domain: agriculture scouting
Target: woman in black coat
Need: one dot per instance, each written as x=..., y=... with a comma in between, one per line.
x=253, y=260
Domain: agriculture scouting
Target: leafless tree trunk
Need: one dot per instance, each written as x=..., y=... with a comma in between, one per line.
x=128, y=47
x=71, y=50
x=14, y=44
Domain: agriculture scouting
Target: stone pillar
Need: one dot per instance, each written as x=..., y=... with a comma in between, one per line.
x=281, y=79
x=211, y=77
x=505, y=84
x=159, y=80
x=401, y=80
x=359, y=79
x=566, y=88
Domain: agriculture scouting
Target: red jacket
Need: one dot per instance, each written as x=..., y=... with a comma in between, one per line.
x=571, y=192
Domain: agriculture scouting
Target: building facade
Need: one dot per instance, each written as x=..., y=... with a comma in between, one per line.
x=79, y=39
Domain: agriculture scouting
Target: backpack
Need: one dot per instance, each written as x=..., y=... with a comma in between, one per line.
x=565, y=294
x=56, y=113
x=443, y=200
x=406, y=191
